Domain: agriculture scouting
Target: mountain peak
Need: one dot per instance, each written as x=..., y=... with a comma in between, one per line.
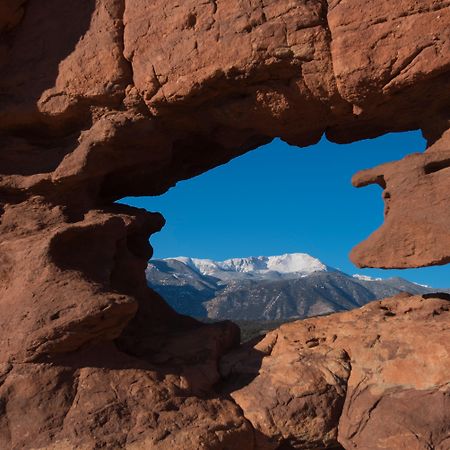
x=300, y=264
x=295, y=263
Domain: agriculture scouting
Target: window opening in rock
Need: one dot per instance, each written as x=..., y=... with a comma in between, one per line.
x=280, y=200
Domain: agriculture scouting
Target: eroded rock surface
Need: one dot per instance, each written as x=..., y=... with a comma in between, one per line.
x=100, y=99
x=373, y=378
x=416, y=187
x=103, y=398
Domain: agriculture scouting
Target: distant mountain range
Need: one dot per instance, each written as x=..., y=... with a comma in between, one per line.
x=283, y=287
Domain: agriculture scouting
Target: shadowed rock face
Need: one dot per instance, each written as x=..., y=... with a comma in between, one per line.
x=100, y=99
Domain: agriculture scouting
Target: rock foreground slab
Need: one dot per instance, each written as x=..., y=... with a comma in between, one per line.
x=109, y=98
x=373, y=378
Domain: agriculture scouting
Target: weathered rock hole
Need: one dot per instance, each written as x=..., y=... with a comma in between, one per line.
x=219, y=200
x=88, y=249
x=36, y=153
x=191, y=20
x=437, y=166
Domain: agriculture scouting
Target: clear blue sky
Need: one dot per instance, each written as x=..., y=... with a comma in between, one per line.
x=281, y=199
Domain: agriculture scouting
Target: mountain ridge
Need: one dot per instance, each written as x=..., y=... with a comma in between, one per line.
x=288, y=286
x=288, y=263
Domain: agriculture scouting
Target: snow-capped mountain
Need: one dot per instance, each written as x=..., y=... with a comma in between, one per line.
x=290, y=265
x=294, y=285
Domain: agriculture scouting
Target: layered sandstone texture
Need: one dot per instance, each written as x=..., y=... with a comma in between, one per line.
x=101, y=99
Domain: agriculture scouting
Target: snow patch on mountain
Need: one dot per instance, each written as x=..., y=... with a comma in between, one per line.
x=423, y=285
x=365, y=277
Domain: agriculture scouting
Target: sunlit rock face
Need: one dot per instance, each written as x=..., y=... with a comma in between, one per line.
x=100, y=99
x=355, y=378
x=415, y=188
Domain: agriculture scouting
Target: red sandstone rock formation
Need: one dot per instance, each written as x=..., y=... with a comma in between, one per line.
x=414, y=188
x=100, y=99
x=374, y=378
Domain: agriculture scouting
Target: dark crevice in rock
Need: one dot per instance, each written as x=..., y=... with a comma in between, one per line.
x=436, y=166
x=441, y=295
x=11, y=14
x=127, y=64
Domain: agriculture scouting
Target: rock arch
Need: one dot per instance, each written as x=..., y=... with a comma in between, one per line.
x=101, y=99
